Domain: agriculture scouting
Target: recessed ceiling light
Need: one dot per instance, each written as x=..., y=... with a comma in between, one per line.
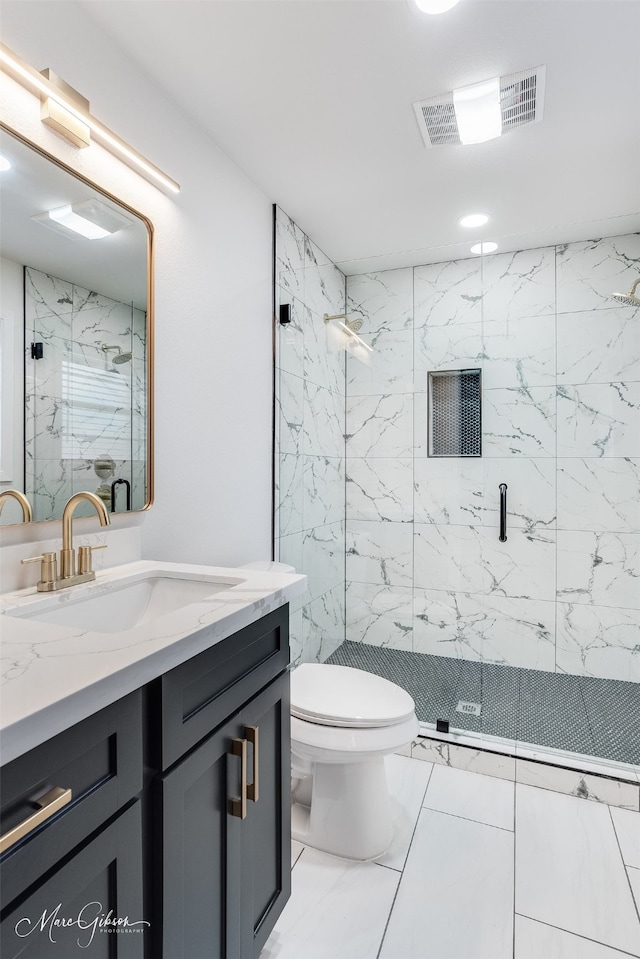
x=91, y=219
x=4, y=164
x=480, y=248
x=435, y=6
x=474, y=219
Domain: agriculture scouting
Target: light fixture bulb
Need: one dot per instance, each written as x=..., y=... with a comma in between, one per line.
x=474, y=220
x=482, y=248
x=4, y=164
x=478, y=113
x=91, y=219
x=435, y=6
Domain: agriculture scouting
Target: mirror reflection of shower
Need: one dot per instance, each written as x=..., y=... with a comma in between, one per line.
x=119, y=358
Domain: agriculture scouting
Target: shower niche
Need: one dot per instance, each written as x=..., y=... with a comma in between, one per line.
x=455, y=413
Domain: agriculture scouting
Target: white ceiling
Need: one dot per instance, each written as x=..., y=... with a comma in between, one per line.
x=313, y=99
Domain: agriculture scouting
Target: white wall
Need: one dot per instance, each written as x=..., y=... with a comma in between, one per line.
x=212, y=282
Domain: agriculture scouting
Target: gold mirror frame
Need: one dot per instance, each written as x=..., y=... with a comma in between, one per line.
x=150, y=323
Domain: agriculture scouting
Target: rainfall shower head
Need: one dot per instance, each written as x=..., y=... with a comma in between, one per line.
x=630, y=298
x=120, y=358
x=353, y=325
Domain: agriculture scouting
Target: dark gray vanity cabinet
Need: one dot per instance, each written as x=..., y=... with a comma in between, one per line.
x=225, y=879
x=178, y=815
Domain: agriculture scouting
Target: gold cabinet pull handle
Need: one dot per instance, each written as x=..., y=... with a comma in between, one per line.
x=49, y=804
x=253, y=736
x=239, y=806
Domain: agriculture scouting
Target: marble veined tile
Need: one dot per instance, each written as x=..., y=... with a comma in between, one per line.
x=523, y=567
x=295, y=636
x=448, y=490
x=598, y=641
x=599, y=346
x=323, y=490
x=599, y=494
x=590, y=271
x=384, y=300
x=448, y=558
x=290, y=340
x=464, y=757
x=627, y=827
x=599, y=419
x=536, y=940
x=602, y=569
x=323, y=625
x=323, y=421
x=448, y=624
x=407, y=781
x=387, y=369
x=380, y=425
x=634, y=881
x=519, y=352
x=520, y=284
x=324, y=357
x=613, y=792
x=323, y=557
x=456, y=894
x=324, y=283
x=290, y=409
x=380, y=489
x=519, y=422
x=448, y=293
x=380, y=553
x=289, y=255
x=518, y=632
x=531, y=492
x=337, y=908
x=47, y=296
x=459, y=792
x=289, y=494
x=451, y=347
x=380, y=615
x=569, y=872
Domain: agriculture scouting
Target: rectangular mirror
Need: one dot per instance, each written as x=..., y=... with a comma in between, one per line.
x=76, y=337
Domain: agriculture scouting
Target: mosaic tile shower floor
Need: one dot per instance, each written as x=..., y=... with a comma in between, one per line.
x=595, y=717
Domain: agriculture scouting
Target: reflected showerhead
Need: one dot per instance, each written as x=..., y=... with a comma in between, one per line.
x=120, y=358
x=630, y=298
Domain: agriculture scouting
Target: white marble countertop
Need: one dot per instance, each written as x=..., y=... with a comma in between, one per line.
x=54, y=676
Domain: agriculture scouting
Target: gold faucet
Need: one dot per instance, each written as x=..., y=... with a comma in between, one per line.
x=27, y=515
x=68, y=575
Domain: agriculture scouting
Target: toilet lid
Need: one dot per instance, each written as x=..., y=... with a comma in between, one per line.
x=342, y=696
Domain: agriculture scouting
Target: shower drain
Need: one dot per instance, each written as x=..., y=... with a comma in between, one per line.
x=471, y=709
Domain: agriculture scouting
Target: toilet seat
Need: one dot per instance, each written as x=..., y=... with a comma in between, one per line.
x=343, y=697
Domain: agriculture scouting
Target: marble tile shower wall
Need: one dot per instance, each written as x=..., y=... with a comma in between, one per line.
x=560, y=367
x=310, y=422
x=109, y=407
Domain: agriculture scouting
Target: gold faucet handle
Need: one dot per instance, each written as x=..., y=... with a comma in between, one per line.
x=48, y=569
x=84, y=558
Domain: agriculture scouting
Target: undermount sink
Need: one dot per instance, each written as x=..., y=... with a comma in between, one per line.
x=120, y=605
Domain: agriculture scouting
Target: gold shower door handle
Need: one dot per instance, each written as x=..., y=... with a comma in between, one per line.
x=49, y=804
x=253, y=736
x=239, y=806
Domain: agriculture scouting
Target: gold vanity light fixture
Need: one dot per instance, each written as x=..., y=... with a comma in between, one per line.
x=67, y=112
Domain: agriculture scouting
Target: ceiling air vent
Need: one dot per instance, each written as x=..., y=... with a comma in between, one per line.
x=521, y=102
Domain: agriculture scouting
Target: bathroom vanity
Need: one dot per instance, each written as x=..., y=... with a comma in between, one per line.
x=170, y=835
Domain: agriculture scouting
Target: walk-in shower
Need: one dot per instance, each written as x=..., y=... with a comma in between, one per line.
x=490, y=568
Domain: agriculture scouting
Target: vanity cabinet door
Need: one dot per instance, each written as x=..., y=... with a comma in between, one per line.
x=74, y=912
x=198, y=891
x=265, y=835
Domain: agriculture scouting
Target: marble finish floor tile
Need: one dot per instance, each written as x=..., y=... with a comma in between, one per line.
x=535, y=940
x=569, y=872
x=296, y=851
x=634, y=881
x=600, y=789
x=456, y=894
x=337, y=909
x=408, y=782
x=627, y=827
x=471, y=796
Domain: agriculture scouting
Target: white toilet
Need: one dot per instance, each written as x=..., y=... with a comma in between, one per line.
x=343, y=723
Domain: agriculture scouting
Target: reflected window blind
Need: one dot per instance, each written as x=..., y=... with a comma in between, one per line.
x=96, y=413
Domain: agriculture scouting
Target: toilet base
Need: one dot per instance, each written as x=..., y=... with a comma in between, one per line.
x=349, y=814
